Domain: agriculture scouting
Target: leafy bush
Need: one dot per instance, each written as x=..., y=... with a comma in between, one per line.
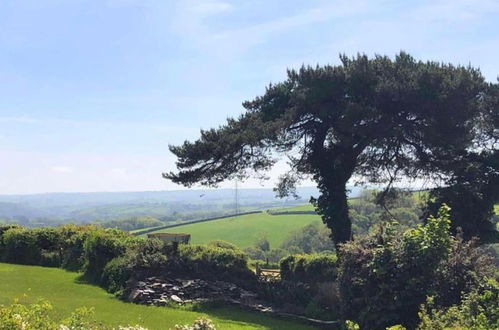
x=309, y=268
x=3, y=230
x=20, y=246
x=312, y=238
x=384, y=278
x=216, y=262
x=224, y=245
x=148, y=255
x=73, y=253
x=117, y=272
x=210, y=258
x=478, y=310
x=101, y=246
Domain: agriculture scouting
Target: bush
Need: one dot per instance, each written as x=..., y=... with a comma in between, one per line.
x=210, y=258
x=215, y=262
x=72, y=246
x=224, y=245
x=147, y=255
x=478, y=310
x=3, y=230
x=384, y=278
x=117, y=272
x=20, y=246
x=101, y=246
x=309, y=268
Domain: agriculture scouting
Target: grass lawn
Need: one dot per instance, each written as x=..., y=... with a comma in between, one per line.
x=66, y=293
x=244, y=230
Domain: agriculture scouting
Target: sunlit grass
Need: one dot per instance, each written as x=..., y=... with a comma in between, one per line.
x=66, y=293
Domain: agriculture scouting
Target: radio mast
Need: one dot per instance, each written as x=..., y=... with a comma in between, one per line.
x=236, y=198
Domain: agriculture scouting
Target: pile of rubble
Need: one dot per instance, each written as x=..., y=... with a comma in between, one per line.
x=162, y=291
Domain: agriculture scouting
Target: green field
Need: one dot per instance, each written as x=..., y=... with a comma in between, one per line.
x=244, y=230
x=65, y=292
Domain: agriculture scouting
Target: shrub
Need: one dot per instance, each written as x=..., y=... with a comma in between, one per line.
x=3, y=230
x=309, y=268
x=21, y=246
x=312, y=238
x=212, y=258
x=478, y=310
x=384, y=278
x=72, y=244
x=101, y=246
x=224, y=245
x=147, y=255
x=117, y=272
x=215, y=262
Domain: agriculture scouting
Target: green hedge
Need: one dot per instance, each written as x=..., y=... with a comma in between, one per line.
x=101, y=246
x=109, y=257
x=311, y=268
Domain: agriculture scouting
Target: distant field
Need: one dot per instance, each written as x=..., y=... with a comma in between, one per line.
x=245, y=230
x=66, y=293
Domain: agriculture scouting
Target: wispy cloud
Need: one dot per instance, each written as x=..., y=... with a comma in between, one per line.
x=229, y=41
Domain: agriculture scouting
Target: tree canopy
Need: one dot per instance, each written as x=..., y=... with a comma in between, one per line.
x=375, y=119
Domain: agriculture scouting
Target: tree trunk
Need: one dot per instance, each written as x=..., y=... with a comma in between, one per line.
x=332, y=205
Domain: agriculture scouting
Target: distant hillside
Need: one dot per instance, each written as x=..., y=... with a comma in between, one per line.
x=165, y=205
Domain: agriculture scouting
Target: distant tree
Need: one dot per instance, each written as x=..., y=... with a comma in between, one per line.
x=375, y=119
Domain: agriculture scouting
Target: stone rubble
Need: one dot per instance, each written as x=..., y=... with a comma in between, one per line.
x=161, y=291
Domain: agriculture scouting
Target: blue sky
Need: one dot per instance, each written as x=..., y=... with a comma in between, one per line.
x=92, y=92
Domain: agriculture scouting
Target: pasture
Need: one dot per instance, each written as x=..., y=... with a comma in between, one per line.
x=66, y=292
x=244, y=230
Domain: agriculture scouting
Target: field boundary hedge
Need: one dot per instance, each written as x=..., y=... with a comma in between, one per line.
x=150, y=230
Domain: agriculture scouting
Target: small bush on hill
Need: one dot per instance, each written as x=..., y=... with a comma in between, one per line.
x=224, y=245
x=310, y=268
x=312, y=238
